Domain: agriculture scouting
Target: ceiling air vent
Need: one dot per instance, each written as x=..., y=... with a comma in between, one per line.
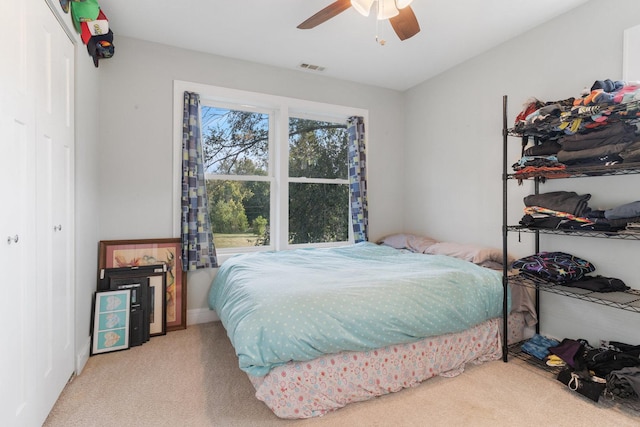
x=311, y=67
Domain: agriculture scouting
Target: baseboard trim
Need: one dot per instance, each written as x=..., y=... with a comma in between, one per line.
x=201, y=315
x=83, y=356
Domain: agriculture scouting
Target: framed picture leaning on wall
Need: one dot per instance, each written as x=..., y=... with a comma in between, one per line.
x=110, y=323
x=145, y=252
x=155, y=302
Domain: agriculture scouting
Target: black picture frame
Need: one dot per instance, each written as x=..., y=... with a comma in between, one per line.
x=155, y=306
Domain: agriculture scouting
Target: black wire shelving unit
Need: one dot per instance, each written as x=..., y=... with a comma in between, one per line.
x=628, y=300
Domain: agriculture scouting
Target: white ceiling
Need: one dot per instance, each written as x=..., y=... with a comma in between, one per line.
x=264, y=31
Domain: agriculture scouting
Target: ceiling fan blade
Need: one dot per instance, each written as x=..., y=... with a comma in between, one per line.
x=325, y=14
x=405, y=24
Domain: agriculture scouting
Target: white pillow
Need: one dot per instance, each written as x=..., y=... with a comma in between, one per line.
x=408, y=241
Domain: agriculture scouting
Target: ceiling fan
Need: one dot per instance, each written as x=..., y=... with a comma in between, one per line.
x=398, y=12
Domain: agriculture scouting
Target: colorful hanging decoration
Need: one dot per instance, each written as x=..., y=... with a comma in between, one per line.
x=93, y=26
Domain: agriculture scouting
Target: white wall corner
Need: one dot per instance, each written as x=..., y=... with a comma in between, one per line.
x=201, y=315
x=83, y=355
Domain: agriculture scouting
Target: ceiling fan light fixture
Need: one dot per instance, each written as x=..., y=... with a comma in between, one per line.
x=403, y=21
x=362, y=6
x=387, y=9
x=401, y=4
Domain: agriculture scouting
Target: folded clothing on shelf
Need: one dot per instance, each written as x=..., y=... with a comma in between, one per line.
x=599, y=284
x=558, y=267
x=563, y=201
x=538, y=346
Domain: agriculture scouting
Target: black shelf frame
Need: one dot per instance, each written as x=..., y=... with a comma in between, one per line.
x=628, y=300
x=575, y=232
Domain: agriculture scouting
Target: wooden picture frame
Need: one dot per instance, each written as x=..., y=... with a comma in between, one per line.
x=141, y=252
x=110, y=323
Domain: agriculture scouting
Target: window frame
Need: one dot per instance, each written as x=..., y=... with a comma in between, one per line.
x=280, y=110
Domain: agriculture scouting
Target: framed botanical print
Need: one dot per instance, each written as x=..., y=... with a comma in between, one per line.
x=144, y=252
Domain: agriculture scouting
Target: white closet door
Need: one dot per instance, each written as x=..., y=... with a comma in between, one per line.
x=17, y=217
x=54, y=142
x=36, y=130
x=17, y=260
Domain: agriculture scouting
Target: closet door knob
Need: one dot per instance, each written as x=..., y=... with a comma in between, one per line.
x=13, y=239
x=57, y=228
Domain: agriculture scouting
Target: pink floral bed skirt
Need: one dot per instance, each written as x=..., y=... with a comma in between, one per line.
x=310, y=389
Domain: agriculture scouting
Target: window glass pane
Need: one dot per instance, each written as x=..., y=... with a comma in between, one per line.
x=318, y=213
x=317, y=149
x=239, y=212
x=235, y=142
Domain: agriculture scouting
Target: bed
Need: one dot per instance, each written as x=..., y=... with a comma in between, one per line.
x=317, y=329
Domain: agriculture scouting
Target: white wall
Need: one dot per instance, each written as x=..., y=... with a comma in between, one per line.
x=87, y=197
x=453, y=154
x=135, y=108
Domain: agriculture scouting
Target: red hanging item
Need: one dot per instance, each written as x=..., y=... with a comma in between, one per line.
x=98, y=27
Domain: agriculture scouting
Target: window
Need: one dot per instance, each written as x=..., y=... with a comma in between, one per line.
x=236, y=148
x=276, y=169
x=318, y=181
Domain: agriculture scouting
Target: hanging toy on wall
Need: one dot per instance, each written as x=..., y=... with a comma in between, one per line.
x=93, y=26
x=100, y=47
x=98, y=38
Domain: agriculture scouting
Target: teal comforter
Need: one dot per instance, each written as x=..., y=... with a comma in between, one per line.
x=300, y=304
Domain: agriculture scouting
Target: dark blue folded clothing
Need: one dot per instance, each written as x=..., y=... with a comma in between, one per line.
x=538, y=346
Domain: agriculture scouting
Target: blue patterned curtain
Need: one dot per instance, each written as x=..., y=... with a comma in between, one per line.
x=198, y=250
x=358, y=179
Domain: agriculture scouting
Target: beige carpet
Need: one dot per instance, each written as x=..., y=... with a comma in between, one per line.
x=191, y=378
